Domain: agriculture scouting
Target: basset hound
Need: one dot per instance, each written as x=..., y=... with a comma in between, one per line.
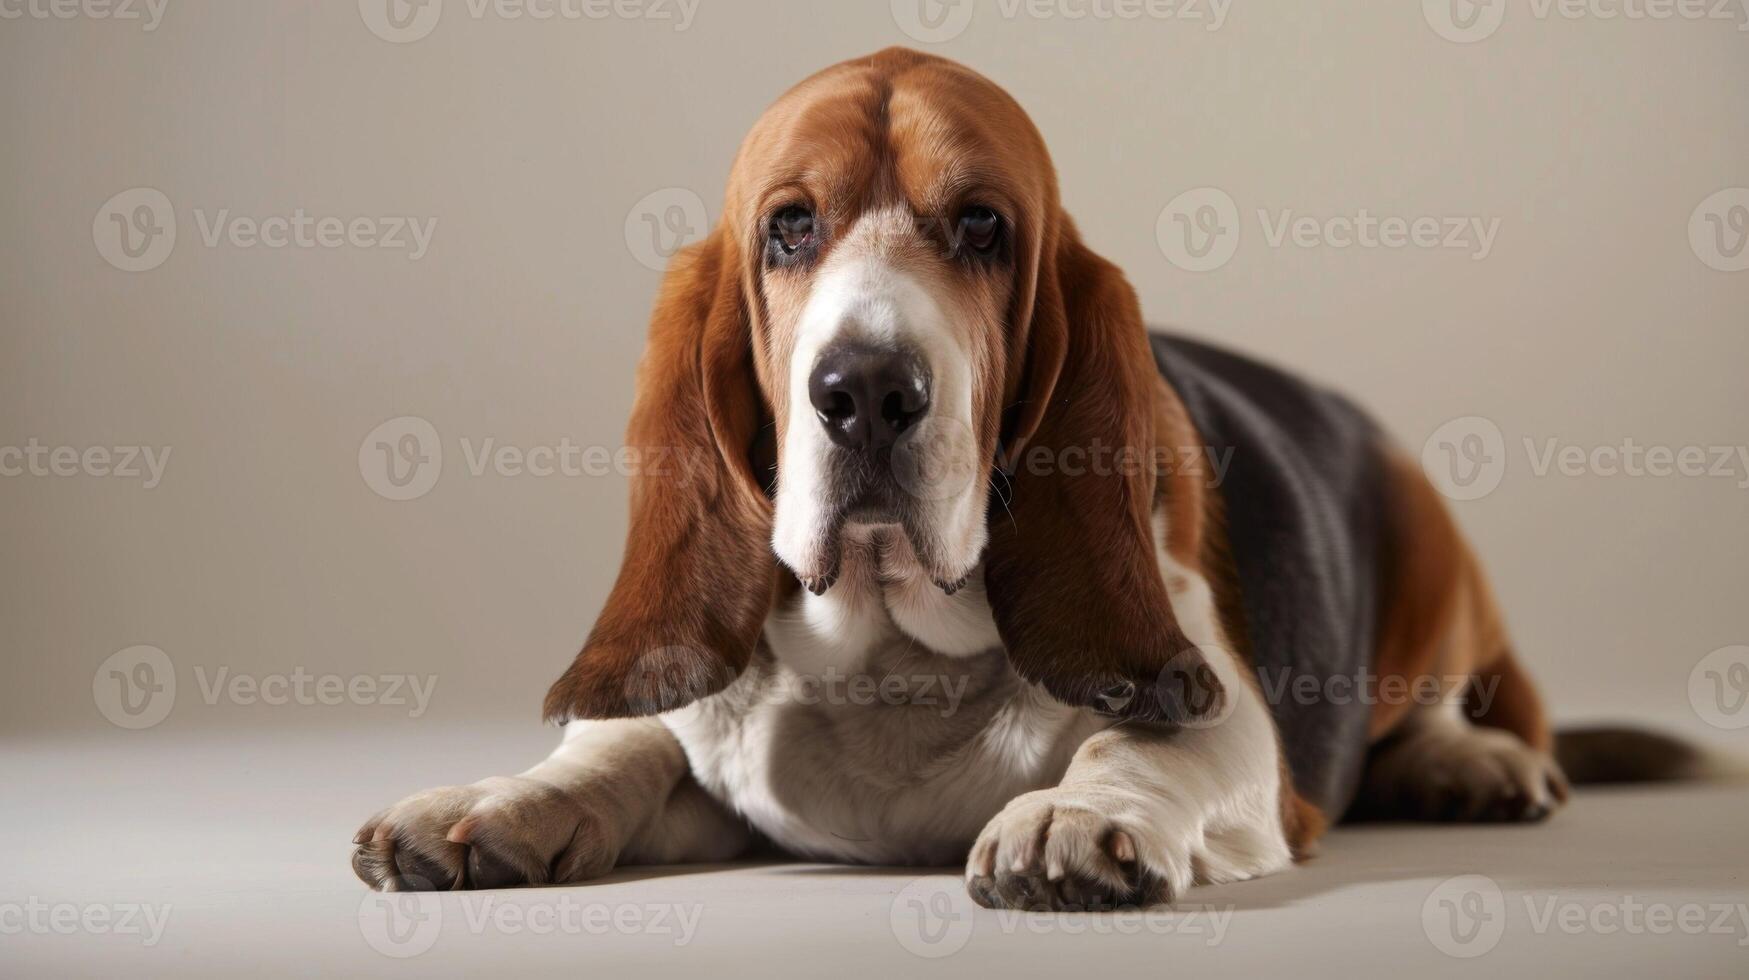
x=980, y=571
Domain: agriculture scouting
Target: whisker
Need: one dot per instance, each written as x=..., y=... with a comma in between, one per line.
x=1004, y=497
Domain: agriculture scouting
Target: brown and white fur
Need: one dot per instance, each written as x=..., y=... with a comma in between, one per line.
x=1072, y=612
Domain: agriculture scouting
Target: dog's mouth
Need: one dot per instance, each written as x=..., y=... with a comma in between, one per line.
x=877, y=500
x=878, y=490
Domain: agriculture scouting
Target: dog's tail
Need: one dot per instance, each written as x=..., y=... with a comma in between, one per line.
x=1624, y=754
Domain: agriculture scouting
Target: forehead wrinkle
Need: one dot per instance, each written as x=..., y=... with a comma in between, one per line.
x=864, y=134
x=878, y=107
x=946, y=152
x=829, y=135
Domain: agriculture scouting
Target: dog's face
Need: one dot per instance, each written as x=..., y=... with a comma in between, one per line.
x=885, y=219
x=894, y=293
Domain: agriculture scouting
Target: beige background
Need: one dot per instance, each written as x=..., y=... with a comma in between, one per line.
x=532, y=143
x=266, y=553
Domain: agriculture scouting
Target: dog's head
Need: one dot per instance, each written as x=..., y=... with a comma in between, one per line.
x=894, y=323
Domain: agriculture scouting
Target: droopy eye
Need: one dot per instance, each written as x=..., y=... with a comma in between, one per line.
x=792, y=227
x=980, y=228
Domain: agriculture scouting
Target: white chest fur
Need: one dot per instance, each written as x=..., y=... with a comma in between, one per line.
x=880, y=722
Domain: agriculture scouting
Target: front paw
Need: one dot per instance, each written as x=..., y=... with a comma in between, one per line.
x=496, y=833
x=1061, y=851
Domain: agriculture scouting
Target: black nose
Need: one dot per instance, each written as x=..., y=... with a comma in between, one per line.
x=867, y=397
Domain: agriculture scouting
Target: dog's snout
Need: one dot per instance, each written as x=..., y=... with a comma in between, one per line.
x=867, y=398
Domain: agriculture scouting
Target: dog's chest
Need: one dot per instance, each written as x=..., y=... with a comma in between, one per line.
x=855, y=736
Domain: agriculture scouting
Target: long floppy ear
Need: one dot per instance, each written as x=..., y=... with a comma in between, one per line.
x=1072, y=572
x=698, y=576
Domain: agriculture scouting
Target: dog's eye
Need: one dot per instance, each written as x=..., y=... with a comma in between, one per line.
x=980, y=228
x=792, y=228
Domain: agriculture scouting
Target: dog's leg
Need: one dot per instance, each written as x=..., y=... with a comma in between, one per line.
x=1144, y=812
x=613, y=792
x=1438, y=765
x=1141, y=815
x=1481, y=752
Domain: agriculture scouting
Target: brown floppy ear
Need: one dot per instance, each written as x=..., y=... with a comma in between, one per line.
x=698, y=576
x=1072, y=571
